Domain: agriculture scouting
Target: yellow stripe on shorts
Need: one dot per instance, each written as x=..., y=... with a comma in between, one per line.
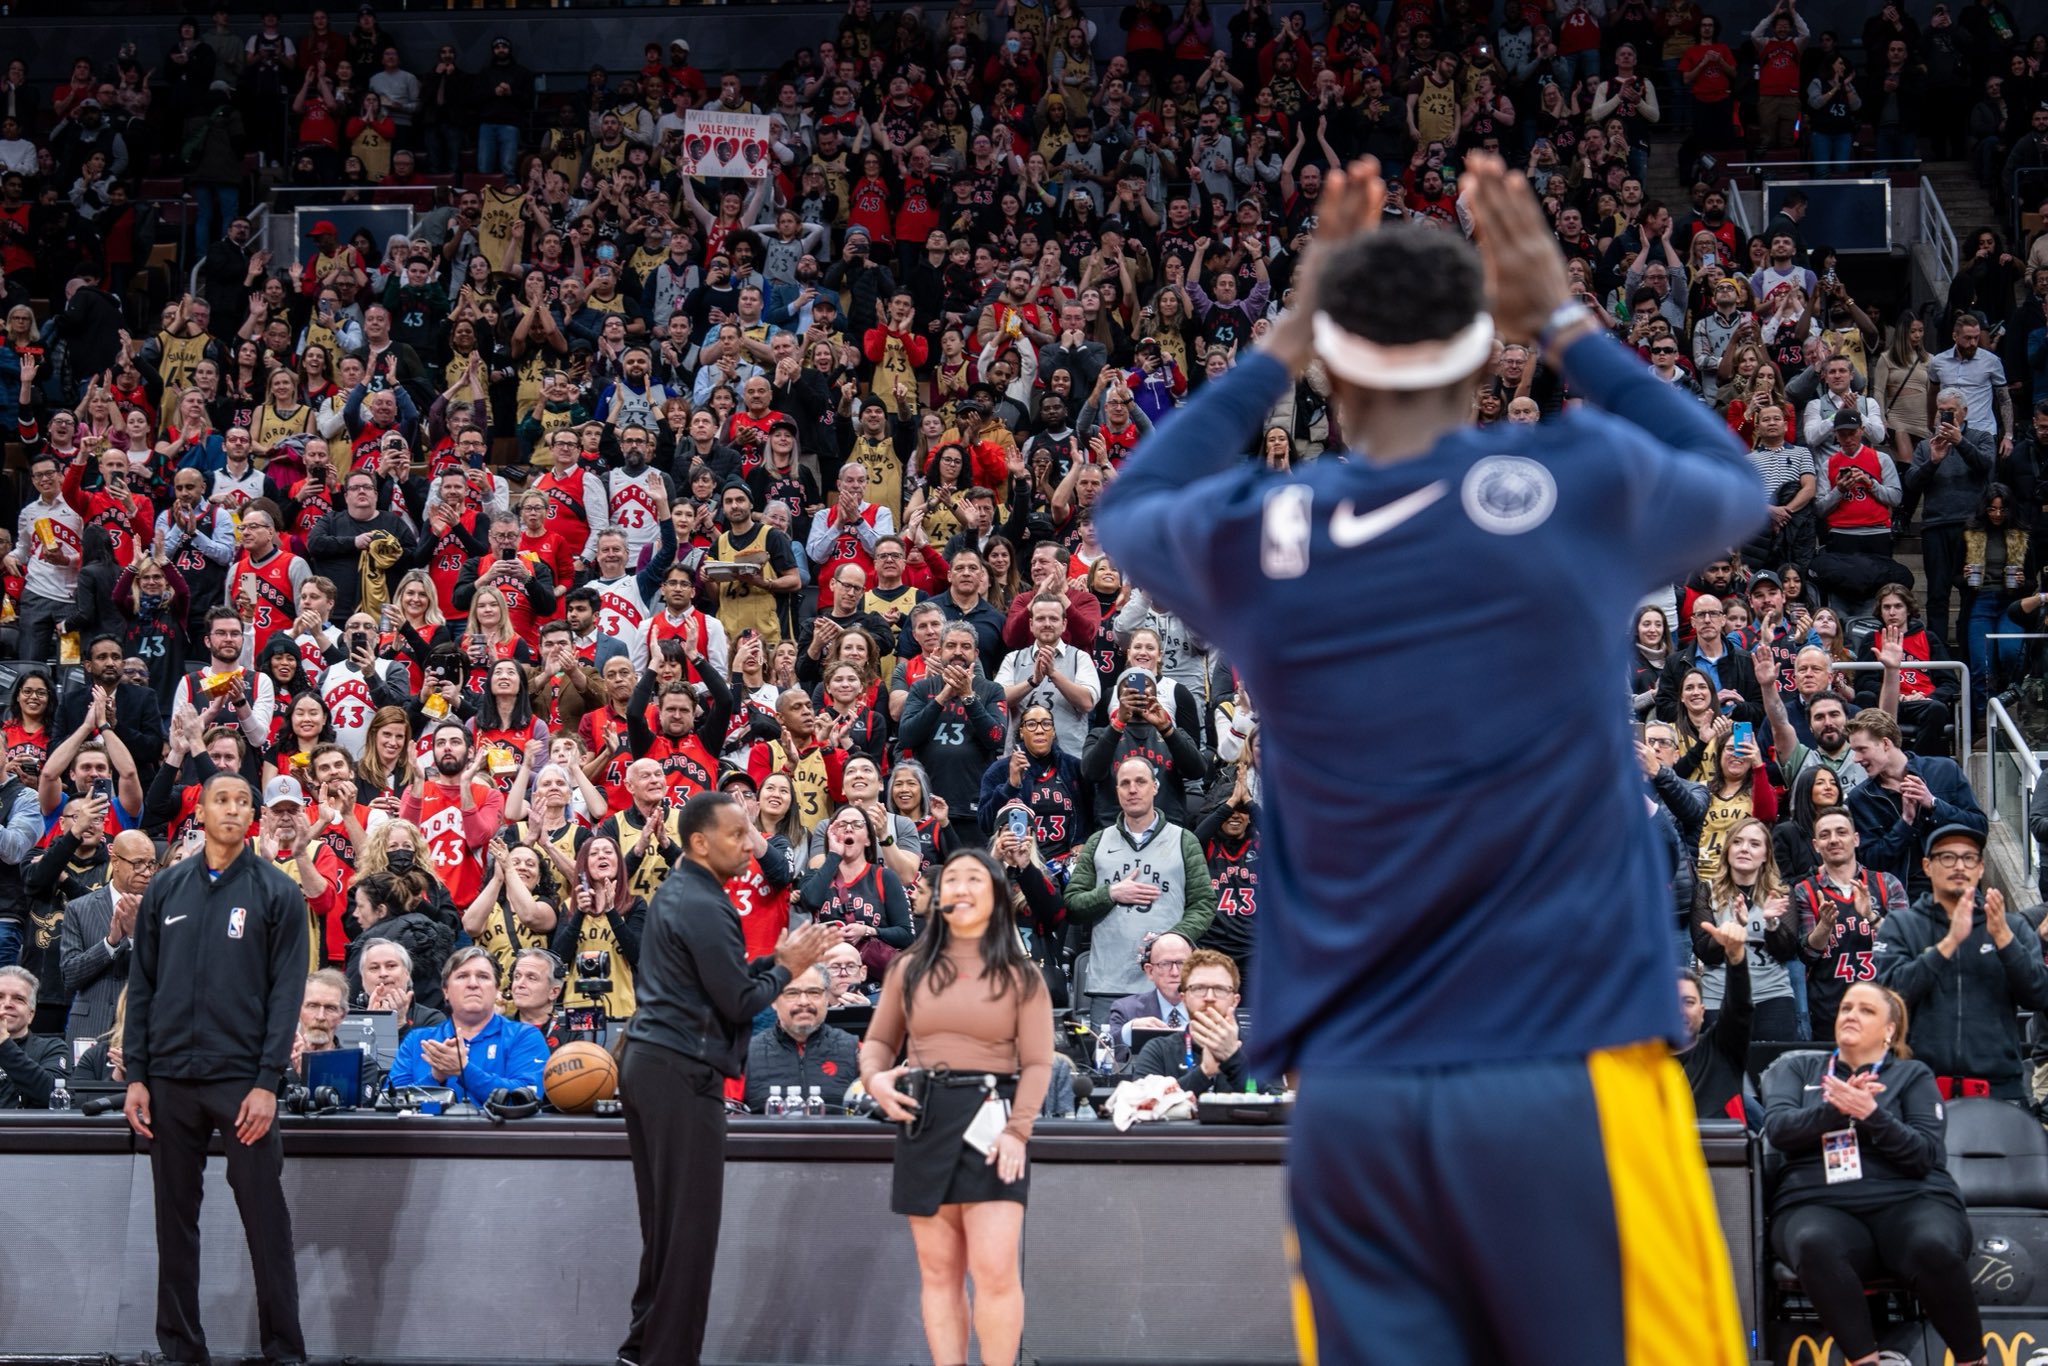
x=1298, y=1302
x=1677, y=1292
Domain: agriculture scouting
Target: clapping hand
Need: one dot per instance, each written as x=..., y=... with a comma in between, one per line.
x=1855, y=1097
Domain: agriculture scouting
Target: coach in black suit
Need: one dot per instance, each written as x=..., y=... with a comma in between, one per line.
x=99, y=936
x=138, y=719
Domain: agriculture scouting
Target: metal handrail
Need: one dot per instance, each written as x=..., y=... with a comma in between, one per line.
x=1936, y=229
x=2000, y=721
x=1907, y=163
x=1961, y=670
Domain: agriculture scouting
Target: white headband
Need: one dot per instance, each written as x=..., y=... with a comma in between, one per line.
x=1412, y=365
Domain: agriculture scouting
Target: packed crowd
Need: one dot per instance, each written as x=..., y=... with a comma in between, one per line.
x=480, y=549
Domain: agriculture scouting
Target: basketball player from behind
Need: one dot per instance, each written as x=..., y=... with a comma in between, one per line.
x=1494, y=1157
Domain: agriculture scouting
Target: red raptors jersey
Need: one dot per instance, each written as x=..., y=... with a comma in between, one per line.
x=764, y=910
x=455, y=863
x=276, y=605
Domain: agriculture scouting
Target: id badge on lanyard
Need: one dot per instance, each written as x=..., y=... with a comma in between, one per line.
x=988, y=1120
x=1840, y=1156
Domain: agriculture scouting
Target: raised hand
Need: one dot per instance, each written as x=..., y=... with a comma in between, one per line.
x=1524, y=266
x=1766, y=665
x=1731, y=935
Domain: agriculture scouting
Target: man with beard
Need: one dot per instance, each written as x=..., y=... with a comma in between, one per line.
x=800, y=1053
x=635, y=397
x=248, y=697
x=1014, y=302
x=762, y=595
x=636, y=493
x=1841, y=909
x=954, y=722
x=130, y=709
x=685, y=739
x=457, y=810
x=1822, y=741
x=98, y=937
x=320, y=1012
x=1716, y=1055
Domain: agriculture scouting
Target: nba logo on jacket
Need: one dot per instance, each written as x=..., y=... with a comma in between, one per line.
x=237, y=919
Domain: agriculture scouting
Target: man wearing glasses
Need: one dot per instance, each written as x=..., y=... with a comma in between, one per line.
x=800, y=1051
x=1965, y=969
x=850, y=985
x=1735, y=688
x=1208, y=1055
x=1664, y=364
x=1160, y=1006
x=99, y=936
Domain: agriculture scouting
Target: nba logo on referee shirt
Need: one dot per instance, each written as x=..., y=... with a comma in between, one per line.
x=237, y=918
x=1283, y=542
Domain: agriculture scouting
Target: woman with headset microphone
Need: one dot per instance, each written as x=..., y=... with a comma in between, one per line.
x=979, y=1046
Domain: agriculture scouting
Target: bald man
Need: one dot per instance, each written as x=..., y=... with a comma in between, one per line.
x=99, y=936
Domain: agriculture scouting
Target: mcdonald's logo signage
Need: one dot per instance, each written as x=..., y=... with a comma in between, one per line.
x=2012, y=1347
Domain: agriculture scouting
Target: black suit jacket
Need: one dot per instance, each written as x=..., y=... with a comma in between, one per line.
x=138, y=720
x=1735, y=672
x=94, y=972
x=698, y=994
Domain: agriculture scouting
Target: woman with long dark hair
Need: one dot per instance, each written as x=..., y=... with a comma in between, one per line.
x=26, y=728
x=1813, y=792
x=1651, y=641
x=968, y=1009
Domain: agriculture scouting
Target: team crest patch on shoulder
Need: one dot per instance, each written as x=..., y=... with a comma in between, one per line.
x=1509, y=494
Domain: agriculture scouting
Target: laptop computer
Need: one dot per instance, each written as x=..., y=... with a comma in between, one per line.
x=339, y=1068
x=379, y=1028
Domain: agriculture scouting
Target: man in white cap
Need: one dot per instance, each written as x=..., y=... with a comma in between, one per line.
x=289, y=839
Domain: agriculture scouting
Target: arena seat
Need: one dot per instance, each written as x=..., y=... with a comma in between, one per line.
x=1998, y=1154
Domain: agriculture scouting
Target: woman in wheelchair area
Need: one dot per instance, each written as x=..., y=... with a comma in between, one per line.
x=1865, y=1189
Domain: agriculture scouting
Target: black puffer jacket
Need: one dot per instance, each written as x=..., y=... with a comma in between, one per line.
x=427, y=940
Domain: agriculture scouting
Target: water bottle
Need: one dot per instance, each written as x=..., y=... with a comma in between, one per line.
x=814, y=1102
x=369, y=1053
x=775, y=1105
x=1105, y=1051
x=60, y=1095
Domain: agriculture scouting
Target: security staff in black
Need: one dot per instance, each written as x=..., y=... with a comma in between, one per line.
x=698, y=995
x=221, y=945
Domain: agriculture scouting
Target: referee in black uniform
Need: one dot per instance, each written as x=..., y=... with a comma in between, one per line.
x=206, y=1057
x=698, y=996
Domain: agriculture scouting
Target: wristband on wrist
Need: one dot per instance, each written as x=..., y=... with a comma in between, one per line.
x=1561, y=317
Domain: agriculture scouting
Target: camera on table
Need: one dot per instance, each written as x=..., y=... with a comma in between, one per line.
x=594, y=972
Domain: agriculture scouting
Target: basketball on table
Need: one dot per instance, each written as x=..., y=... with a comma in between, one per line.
x=579, y=1075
